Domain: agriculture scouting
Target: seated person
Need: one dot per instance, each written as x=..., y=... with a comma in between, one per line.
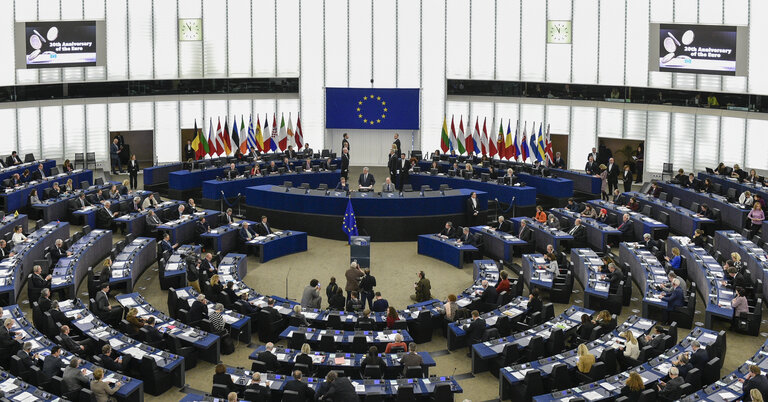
x=388, y=186
x=342, y=186
x=109, y=361
x=373, y=359
x=220, y=377
x=585, y=359
x=232, y=173
x=246, y=233
x=633, y=205
x=398, y=343
x=448, y=232
x=705, y=212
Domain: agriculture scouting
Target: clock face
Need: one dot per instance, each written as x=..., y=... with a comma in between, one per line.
x=190, y=29
x=558, y=31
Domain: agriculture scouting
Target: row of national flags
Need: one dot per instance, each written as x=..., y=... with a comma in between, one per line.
x=224, y=142
x=528, y=147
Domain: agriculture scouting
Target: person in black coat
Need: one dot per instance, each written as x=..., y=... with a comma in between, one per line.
x=44, y=302
x=104, y=217
x=133, y=172
x=584, y=332
x=534, y=302
x=473, y=210
x=448, y=231
x=263, y=227
x=114, y=364
x=58, y=252
x=345, y=164
x=230, y=291
x=26, y=356
x=503, y=225
x=626, y=177
x=198, y=310
x=579, y=234
x=152, y=334
x=268, y=357
x=614, y=278
x=189, y=152
x=255, y=386
x=699, y=356
x=305, y=392
x=337, y=389
x=754, y=380
x=475, y=329
x=37, y=282
x=373, y=359
x=490, y=296
x=220, y=377
x=525, y=233
x=337, y=301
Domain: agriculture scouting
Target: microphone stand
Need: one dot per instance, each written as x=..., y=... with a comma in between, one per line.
x=286, y=282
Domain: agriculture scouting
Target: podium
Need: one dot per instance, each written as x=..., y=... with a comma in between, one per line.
x=360, y=250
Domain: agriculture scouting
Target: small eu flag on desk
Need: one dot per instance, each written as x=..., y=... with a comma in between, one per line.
x=372, y=108
x=350, y=223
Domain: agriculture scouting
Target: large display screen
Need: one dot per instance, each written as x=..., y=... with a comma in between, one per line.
x=56, y=44
x=703, y=49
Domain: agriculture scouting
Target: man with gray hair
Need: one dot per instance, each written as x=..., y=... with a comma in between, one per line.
x=353, y=275
x=626, y=228
x=614, y=277
x=669, y=390
x=44, y=302
x=366, y=180
x=104, y=216
x=74, y=377
x=268, y=357
x=255, y=385
x=25, y=354
x=699, y=357
x=411, y=359
x=58, y=252
x=136, y=206
x=198, y=310
x=503, y=225
x=489, y=296
x=667, y=287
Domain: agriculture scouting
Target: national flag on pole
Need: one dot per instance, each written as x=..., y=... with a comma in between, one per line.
x=259, y=137
x=291, y=140
x=515, y=147
x=196, y=142
x=349, y=224
x=444, y=140
x=219, y=140
x=460, y=136
x=509, y=151
x=453, y=136
x=477, y=140
x=298, y=136
x=211, y=140
x=235, y=134
x=267, y=143
x=273, y=138
x=282, y=140
x=251, y=143
x=524, y=145
x=483, y=138
x=534, y=148
x=491, y=140
x=225, y=137
x=500, y=144
x=548, y=148
x=469, y=142
x=540, y=144
x=244, y=140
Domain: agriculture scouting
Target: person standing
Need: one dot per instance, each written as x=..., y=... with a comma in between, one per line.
x=639, y=163
x=345, y=163
x=367, y=283
x=114, y=154
x=626, y=178
x=403, y=168
x=396, y=144
x=189, y=152
x=354, y=274
x=473, y=210
x=345, y=142
x=613, y=175
x=133, y=171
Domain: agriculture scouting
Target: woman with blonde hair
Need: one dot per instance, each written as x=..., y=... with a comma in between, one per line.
x=132, y=317
x=216, y=285
x=102, y=392
x=585, y=359
x=603, y=318
x=673, y=263
x=736, y=262
x=69, y=187
x=631, y=348
x=633, y=387
x=305, y=358
x=604, y=181
x=755, y=394
x=298, y=317
x=106, y=271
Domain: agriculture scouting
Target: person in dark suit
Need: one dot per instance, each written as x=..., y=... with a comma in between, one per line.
x=14, y=159
x=448, y=232
x=503, y=225
x=342, y=185
x=4, y=249
x=271, y=168
x=473, y=210
x=152, y=335
x=474, y=329
x=246, y=233
x=290, y=153
x=648, y=242
x=345, y=163
x=166, y=245
x=37, y=282
x=366, y=181
x=534, y=302
x=699, y=357
x=404, y=167
x=79, y=203
x=373, y=359
x=674, y=298
x=626, y=228
x=228, y=218
x=207, y=266
x=26, y=356
x=338, y=389
x=220, y=377
x=613, y=175
x=754, y=380
x=230, y=291
x=232, y=172
x=263, y=228
x=84, y=347
x=396, y=143
x=614, y=278
x=591, y=167
x=202, y=226
x=489, y=296
x=307, y=165
x=345, y=142
x=670, y=390
x=579, y=234
x=52, y=364
x=105, y=217
x=114, y=155
x=198, y=310
x=104, y=310
x=273, y=313
x=305, y=392
x=633, y=387
x=44, y=302
x=466, y=237
x=120, y=363
x=133, y=172
x=559, y=162
x=8, y=338
x=691, y=182
x=58, y=251
x=268, y=357
x=256, y=387
x=39, y=173
x=525, y=233
x=189, y=152
x=735, y=279
x=626, y=177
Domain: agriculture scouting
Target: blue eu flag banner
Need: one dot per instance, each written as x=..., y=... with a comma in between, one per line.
x=372, y=108
x=350, y=224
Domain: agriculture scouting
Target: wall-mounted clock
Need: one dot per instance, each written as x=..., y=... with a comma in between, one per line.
x=190, y=29
x=559, y=31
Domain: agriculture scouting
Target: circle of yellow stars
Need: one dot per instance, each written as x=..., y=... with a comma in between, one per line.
x=379, y=118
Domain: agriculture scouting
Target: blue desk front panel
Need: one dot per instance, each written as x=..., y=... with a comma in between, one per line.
x=641, y=224
x=159, y=174
x=682, y=220
x=212, y=189
x=447, y=250
x=582, y=182
x=19, y=197
x=732, y=215
x=517, y=195
x=555, y=187
x=369, y=205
